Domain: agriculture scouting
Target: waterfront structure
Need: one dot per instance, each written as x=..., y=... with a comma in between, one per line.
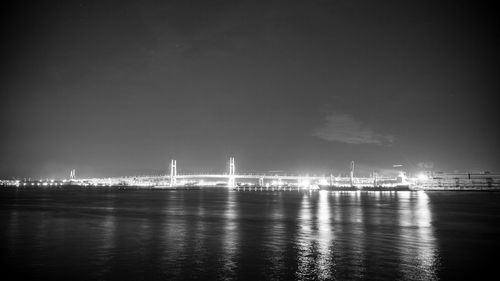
x=438, y=181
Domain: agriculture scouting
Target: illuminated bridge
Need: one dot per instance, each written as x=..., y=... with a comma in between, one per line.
x=435, y=181
x=232, y=179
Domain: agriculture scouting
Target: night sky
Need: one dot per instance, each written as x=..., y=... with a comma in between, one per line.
x=120, y=88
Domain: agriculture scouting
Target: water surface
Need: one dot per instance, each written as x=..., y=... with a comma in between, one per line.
x=78, y=234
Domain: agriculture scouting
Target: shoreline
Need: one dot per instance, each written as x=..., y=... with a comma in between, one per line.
x=248, y=189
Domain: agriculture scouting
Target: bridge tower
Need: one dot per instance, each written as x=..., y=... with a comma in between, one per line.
x=261, y=182
x=231, y=182
x=173, y=173
x=72, y=174
x=352, y=173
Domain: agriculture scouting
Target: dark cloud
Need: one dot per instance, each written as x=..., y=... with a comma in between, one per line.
x=343, y=128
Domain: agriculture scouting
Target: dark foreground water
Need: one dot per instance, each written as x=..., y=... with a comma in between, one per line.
x=220, y=234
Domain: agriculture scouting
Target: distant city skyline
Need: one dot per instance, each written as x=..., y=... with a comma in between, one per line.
x=113, y=88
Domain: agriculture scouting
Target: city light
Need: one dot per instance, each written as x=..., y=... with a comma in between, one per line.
x=233, y=180
x=422, y=177
x=304, y=182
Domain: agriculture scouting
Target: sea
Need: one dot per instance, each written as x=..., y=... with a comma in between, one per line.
x=221, y=234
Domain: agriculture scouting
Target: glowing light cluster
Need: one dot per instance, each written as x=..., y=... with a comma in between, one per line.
x=304, y=182
x=422, y=177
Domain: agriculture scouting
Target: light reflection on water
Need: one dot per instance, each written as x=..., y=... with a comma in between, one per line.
x=325, y=237
x=305, y=240
x=174, y=236
x=417, y=243
x=220, y=234
x=230, y=241
x=105, y=252
x=276, y=242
